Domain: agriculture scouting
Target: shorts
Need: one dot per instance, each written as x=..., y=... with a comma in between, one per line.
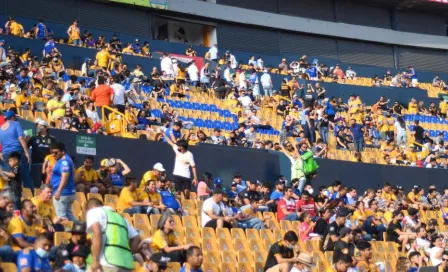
x=213, y=224
x=182, y=183
x=180, y=81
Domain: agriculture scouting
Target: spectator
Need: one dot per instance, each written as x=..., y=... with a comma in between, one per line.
x=168, y=199
x=306, y=226
x=339, y=74
x=304, y=262
x=194, y=260
x=25, y=228
x=150, y=195
x=437, y=251
x=117, y=171
x=14, y=177
x=217, y=138
x=333, y=230
x=249, y=219
x=12, y=139
x=345, y=245
x=444, y=265
x=213, y=209
x=35, y=258
x=86, y=178
x=395, y=231
x=102, y=95
x=412, y=75
x=287, y=207
x=46, y=211
x=213, y=51
x=281, y=254
x=103, y=57
x=78, y=259
x=306, y=204
x=365, y=261
x=129, y=201
x=65, y=251
x=157, y=171
x=118, y=94
x=99, y=221
x=165, y=241
x=350, y=74
x=193, y=73
x=63, y=182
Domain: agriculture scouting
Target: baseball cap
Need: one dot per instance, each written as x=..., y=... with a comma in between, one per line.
x=218, y=191
x=237, y=175
x=342, y=213
x=9, y=114
x=103, y=162
x=158, y=166
x=344, y=232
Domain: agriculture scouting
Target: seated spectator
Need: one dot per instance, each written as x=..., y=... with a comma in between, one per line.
x=306, y=226
x=395, y=231
x=168, y=198
x=306, y=203
x=86, y=178
x=128, y=201
x=350, y=74
x=165, y=242
x=78, y=259
x=345, y=244
x=35, y=258
x=24, y=229
x=338, y=74
x=281, y=254
x=333, y=230
x=150, y=195
x=373, y=226
x=213, y=209
x=204, y=187
x=249, y=219
x=46, y=213
x=64, y=252
x=287, y=207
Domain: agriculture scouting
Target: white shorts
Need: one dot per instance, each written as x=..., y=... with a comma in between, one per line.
x=314, y=78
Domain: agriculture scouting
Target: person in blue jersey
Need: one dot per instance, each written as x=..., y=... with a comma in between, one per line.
x=174, y=133
x=36, y=258
x=194, y=260
x=168, y=198
x=412, y=75
x=12, y=139
x=50, y=49
x=41, y=31
x=117, y=170
x=312, y=72
x=63, y=182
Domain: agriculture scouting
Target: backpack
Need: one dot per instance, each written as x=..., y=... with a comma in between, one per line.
x=310, y=166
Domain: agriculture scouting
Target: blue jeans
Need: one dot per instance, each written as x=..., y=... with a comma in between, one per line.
x=291, y=217
x=63, y=207
x=359, y=144
x=76, y=42
x=24, y=169
x=7, y=254
x=267, y=91
x=324, y=134
x=194, y=83
x=253, y=223
x=136, y=209
x=373, y=229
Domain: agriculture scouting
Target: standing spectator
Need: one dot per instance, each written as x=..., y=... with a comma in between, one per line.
x=412, y=75
x=12, y=139
x=193, y=73
x=103, y=57
x=40, y=147
x=213, y=51
x=166, y=65
x=74, y=34
x=281, y=254
x=37, y=257
x=358, y=135
x=213, y=209
x=182, y=174
x=105, y=225
x=63, y=182
x=41, y=31
x=119, y=94
x=14, y=179
x=102, y=95
x=418, y=133
x=266, y=83
x=400, y=131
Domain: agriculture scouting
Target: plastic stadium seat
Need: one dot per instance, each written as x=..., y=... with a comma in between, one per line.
x=156, y=113
x=212, y=257
x=227, y=126
x=222, y=233
x=173, y=267
x=213, y=108
x=199, y=123
x=209, y=244
x=81, y=197
x=111, y=200
x=260, y=256
x=189, y=222
x=259, y=266
x=228, y=257
x=225, y=245
x=252, y=234
x=154, y=219
x=193, y=233
x=208, y=124
x=241, y=244
x=196, y=106
x=93, y=195
x=256, y=245
x=187, y=105
x=26, y=193
x=61, y=236
x=205, y=107
x=178, y=104
x=8, y=266
x=218, y=124
x=245, y=267
x=237, y=233
x=227, y=113
x=77, y=209
x=267, y=235
x=210, y=267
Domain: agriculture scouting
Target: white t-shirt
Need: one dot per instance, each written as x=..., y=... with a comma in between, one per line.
x=250, y=136
x=245, y=100
x=98, y=215
x=213, y=52
x=210, y=204
x=193, y=72
x=227, y=75
x=182, y=163
x=118, y=93
x=433, y=253
x=266, y=80
x=167, y=65
x=243, y=81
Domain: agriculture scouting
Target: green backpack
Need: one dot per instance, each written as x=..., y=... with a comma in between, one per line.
x=310, y=166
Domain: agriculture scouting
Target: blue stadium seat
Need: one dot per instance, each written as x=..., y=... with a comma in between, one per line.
x=221, y=112
x=196, y=106
x=178, y=104
x=167, y=91
x=213, y=108
x=170, y=102
x=187, y=105
x=199, y=122
x=156, y=113
x=227, y=126
x=208, y=123
x=205, y=107
x=227, y=113
x=217, y=124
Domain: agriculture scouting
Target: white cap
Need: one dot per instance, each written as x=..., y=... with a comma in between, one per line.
x=42, y=122
x=158, y=166
x=12, y=86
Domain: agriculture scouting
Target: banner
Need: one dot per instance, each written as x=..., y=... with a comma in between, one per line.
x=158, y=4
x=187, y=59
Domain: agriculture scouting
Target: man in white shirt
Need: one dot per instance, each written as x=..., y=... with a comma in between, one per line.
x=214, y=53
x=193, y=73
x=227, y=76
x=250, y=135
x=119, y=92
x=184, y=160
x=96, y=218
x=436, y=252
x=266, y=83
x=212, y=214
x=350, y=73
x=167, y=65
x=396, y=81
x=233, y=62
x=243, y=80
x=244, y=99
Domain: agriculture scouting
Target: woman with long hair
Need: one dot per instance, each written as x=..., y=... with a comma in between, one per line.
x=400, y=131
x=165, y=242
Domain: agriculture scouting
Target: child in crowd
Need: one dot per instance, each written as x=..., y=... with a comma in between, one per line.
x=14, y=179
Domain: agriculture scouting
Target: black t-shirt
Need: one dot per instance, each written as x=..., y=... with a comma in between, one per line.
x=251, y=195
x=392, y=235
x=63, y=253
x=332, y=229
x=308, y=100
x=285, y=90
x=82, y=127
x=116, y=44
x=418, y=133
x=277, y=248
x=281, y=108
x=321, y=226
x=40, y=147
x=321, y=96
x=15, y=183
x=398, y=109
x=341, y=248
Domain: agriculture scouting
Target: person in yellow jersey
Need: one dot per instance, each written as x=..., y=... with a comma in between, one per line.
x=16, y=28
x=74, y=34
x=412, y=106
x=128, y=201
x=341, y=265
x=24, y=229
x=382, y=125
x=103, y=57
x=149, y=194
x=55, y=107
x=443, y=107
x=365, y=262
x=154, y=174
x=86, y=178
x=131, y=133
x=390, y=123
x=46, y=213
x=387, y=194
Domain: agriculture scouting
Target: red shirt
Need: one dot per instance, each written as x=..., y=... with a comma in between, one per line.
x=307, y=206
x=289, y=205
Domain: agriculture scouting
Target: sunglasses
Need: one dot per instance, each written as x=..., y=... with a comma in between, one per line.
x=379, y=192
x=54, y=152
x=444, y=260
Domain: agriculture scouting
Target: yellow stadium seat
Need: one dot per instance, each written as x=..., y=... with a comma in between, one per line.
x=209, y=244
x=228, y=257
x=260, y=256
x=154, y=219
x=61, y=236
x=193, y=233
x=8, y=266
x=259, y=266
x=256, y=245
x=225, y=245
x=94, y=195
x=76, y=208
x=208, y=233
x=286, y=225
x=237, y=233
x=27, y=115
x=8, y=106
x=210, y=267
x=177, y=220
x=81, y=197
x=245, y=256
x=173, y=267
x=111, y=200
x=241, y=244
x=212, y=257
x=267, y=235
x=128, y=218
x=40, y=114
x=141, y=220
x=222, y=233
x=36, y=192
x=245, y=267
x=252, y=234
x=137, y=266
x=179, y=233
x=279, y=234
x=192, y=240
x=189, y=221
x=26, y=193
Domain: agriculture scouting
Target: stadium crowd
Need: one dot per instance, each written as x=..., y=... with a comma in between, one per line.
x=407, y=231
